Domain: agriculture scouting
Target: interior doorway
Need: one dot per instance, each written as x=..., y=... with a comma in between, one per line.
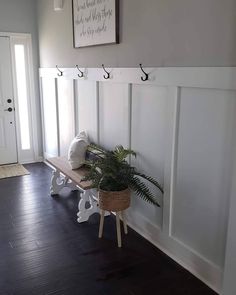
x=17, y=100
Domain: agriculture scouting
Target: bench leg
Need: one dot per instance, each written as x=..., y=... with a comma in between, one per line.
x=57, y=183
x=85, y=213
x=70, y=184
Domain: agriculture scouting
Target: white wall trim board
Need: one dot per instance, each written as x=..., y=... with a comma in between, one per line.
x=181, y=123
x=229, y=287
x=203, y=77
x=97, y=112
x=35, y=136
x=42, y=117
x=130, y=117
x=58, y=123
x=174, y=155
x=170, y=153
x=76, y=104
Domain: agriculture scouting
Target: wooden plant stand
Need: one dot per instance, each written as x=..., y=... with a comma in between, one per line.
x=119, y=215
x=114, y=201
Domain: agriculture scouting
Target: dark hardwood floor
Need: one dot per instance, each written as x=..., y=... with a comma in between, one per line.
x=43, y=250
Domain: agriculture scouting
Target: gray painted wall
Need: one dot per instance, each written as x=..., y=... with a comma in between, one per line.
x=20, y=17
x=154, y=32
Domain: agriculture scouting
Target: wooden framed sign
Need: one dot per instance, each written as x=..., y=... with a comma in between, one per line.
x=95, y=22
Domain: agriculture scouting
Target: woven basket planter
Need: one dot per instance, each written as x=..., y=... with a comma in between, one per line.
x=114, y=201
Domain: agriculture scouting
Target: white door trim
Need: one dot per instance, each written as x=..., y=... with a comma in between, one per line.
x=32, y=154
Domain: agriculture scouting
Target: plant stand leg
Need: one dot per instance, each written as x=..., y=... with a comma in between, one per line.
x=118, y=229
x=101, y=223
x=124, y=222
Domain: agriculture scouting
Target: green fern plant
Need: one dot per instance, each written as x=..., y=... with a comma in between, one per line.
x=110, y=171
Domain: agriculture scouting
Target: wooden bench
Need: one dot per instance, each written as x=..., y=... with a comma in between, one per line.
x=64, y=176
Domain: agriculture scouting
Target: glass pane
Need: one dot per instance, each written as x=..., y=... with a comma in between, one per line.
x=22, y=96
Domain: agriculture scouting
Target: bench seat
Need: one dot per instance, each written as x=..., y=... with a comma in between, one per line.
x=62, y=164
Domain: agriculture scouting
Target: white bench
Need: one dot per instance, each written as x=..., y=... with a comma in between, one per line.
x=64, y=176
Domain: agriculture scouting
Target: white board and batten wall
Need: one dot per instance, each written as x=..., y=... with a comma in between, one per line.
x=181, y=123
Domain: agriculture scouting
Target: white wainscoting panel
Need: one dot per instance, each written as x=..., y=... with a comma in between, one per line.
x=203, y=176
x=49, y=117
x=87, y=108
x=114, y=111
x=148, y=140
x=66, y=114
x=181, y=122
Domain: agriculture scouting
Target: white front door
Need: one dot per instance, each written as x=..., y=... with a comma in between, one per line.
x=8, y=149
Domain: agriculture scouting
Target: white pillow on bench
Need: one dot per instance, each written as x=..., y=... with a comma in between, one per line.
x=77, y=150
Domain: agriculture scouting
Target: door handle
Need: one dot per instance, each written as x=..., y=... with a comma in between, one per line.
x=8, y=110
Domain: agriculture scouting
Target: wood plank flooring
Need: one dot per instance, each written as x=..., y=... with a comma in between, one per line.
x=43, y=250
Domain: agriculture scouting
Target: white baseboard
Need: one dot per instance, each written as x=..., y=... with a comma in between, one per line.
x=47, y=156
x=48, y=164
x=198, y=265
x=30, y=161
x=39, y=159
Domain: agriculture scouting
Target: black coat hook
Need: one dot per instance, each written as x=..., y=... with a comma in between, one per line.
x=60, y=72
x=81, y=74
x=107, y=76
x=146, y=75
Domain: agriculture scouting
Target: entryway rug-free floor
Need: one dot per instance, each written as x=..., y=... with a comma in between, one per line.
x=12, y=170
